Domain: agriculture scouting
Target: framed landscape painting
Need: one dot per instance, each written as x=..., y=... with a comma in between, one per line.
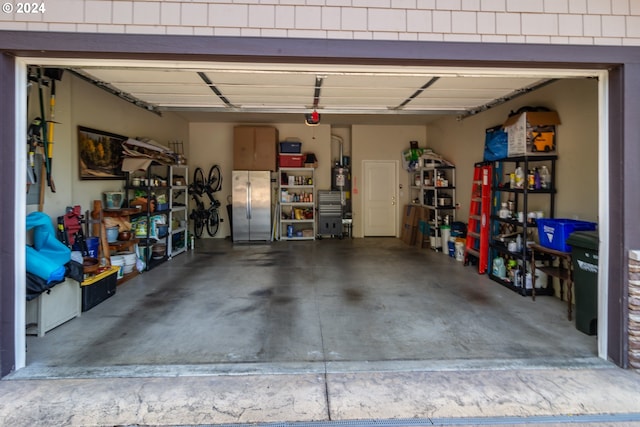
x=100, y=154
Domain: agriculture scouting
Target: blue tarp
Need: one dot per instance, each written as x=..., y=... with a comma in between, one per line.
x=48, y=256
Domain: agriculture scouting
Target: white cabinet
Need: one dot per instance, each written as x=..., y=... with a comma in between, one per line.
x=54, y=307
x=296, y=201
x=434, y=187
x=178, y=216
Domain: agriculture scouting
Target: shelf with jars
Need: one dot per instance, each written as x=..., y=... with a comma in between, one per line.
x=434, y=188
x=523, y=190
x=296, y=204
x=150, y=192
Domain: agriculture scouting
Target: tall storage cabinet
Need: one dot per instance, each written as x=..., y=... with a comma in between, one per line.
x=254, y=148
x=297, y=204
x=519, y=224
x=434, y=187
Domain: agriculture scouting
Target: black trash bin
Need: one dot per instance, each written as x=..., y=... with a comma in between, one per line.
x=584, y=256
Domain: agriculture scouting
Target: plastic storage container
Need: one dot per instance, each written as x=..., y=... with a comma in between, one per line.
x=584, y=257
x=291, y=147
x=98, y=289
x=93, y=246
x=291, y=160
x=553, y=233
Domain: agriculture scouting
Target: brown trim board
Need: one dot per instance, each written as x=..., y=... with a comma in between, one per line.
x=623, y=61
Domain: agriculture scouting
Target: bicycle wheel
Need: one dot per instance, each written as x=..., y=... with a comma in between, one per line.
x=198, y=215
x=198, y=223
x=198, y=181
x=213, y=223
x=215, y=178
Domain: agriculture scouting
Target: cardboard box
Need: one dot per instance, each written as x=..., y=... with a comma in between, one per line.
x=422, y=237
x=410, y=220
x=532, y=132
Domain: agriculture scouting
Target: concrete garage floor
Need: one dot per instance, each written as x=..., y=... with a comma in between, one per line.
x=318, y=331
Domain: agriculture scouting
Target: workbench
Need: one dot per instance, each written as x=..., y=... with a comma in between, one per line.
x=563, y=270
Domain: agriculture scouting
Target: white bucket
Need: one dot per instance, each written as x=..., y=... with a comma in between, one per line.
x=130, y=259
x=459, y=250
x=118, y=261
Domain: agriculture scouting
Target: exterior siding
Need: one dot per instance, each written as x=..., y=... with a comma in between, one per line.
x=634, y=309
x=583, y=22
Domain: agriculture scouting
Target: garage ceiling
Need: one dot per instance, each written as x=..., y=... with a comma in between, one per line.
x=286, y=92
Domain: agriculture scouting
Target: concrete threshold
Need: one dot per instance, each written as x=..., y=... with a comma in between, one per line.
x=44, y=372
x=514, y=393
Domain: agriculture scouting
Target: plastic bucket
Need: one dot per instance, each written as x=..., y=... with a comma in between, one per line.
x=112, y=234
x=93, y=243
x=118, y=261
x=144, y=249
x=459, y=246
x=130, y=259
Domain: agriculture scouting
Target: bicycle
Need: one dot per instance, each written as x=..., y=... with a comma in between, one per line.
x=200, y=215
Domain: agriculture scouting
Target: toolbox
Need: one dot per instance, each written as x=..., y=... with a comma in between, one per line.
x=98, y=288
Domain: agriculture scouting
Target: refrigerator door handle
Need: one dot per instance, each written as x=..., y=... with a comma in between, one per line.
x=248, y=200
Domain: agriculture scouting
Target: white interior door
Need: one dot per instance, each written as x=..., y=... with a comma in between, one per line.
x=381, y=199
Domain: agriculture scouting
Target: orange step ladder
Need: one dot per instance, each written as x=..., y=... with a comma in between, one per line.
x=477, y=244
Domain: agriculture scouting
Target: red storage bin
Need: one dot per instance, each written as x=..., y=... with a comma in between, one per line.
x=291, y=160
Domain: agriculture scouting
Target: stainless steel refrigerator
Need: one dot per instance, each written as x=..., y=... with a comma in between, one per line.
x=251, y=206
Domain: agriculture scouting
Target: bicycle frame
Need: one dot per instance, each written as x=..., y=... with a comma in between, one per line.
x=200, y=215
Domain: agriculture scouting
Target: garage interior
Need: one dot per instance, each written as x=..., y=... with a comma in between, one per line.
x=330, y=303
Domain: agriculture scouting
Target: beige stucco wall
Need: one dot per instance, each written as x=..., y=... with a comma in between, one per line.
x=381, y=143
x=212, y=143
x=81, y=104
x=460, y=141
x=590, y=22
x=576, y=101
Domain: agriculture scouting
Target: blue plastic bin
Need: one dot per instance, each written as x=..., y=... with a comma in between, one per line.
x=291, y=147
x=554, y=232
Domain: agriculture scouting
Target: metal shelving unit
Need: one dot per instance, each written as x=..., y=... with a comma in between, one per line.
x=434, y=187
x=178, y=216
x=296, y=201
x=520, y=197
x=151, y=184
